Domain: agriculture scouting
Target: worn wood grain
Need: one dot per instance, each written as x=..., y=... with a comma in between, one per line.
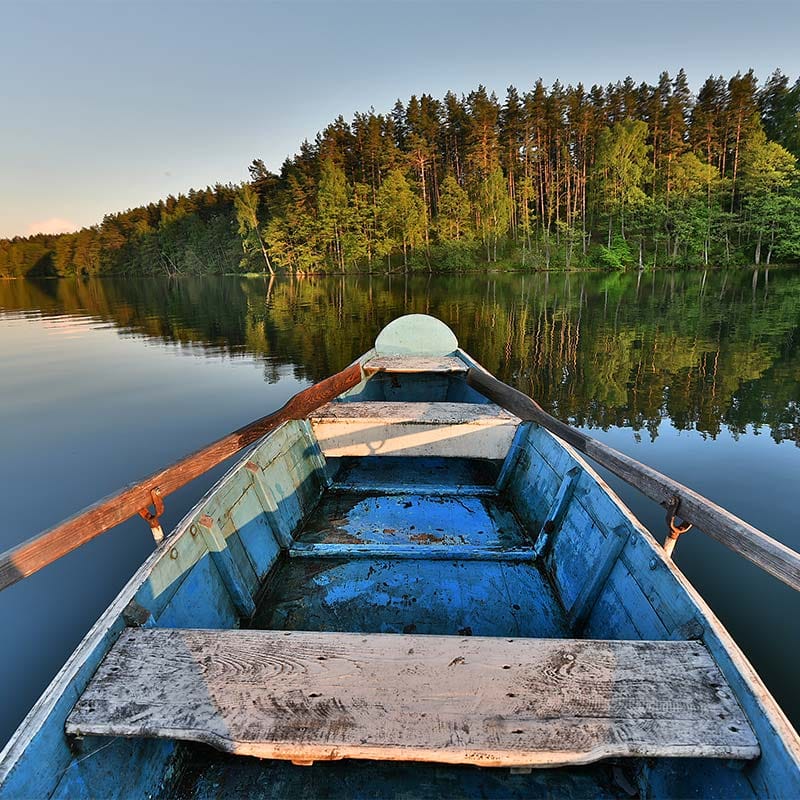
x=769, y=554
x=41, y=550
x=430, y=413
x=309, y=696
x=414, y=364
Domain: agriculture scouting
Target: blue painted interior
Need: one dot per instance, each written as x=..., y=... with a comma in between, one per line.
x=412, y=473
x=410, y=388
x=209, y=775
x=201, y=601
x=411, y=518
x=457, y=598
x=406, y=501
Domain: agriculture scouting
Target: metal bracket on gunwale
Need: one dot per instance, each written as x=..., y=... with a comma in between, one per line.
x=675, y=529
x=152, y=517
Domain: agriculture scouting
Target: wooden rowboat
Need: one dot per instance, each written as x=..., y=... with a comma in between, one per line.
x=408, y=586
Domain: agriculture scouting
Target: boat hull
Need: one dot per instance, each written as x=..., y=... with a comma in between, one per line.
x=245, y=555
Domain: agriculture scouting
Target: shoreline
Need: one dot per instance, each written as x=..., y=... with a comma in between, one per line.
x=409, y=273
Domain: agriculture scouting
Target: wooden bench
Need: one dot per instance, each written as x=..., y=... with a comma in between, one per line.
x=457, y=430
x=447, y=365
x=307, y=696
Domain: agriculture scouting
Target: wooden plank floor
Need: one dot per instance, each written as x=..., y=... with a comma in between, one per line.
x=471, y=700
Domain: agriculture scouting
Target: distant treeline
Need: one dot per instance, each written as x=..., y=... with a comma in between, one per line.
x=557, y=177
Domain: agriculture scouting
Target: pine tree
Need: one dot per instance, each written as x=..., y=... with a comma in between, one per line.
x=707, y=130
x=511, y=144
x=742, y=116
x=780, y=111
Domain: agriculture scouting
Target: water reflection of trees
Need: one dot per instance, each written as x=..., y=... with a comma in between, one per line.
x=706, y=349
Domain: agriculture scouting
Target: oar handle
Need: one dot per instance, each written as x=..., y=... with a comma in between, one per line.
x=41, y=550
x=771, y=555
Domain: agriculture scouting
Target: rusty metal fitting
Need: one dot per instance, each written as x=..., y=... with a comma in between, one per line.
x=675, y=527
x=152, y=517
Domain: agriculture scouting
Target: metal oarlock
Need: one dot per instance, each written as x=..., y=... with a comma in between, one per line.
x=675, y=529
x=152, y=517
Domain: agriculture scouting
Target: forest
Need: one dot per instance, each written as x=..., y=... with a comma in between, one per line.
x=557, y=178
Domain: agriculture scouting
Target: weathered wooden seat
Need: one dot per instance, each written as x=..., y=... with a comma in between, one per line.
x=415, y=364
x=307, y=696
x=368, y=428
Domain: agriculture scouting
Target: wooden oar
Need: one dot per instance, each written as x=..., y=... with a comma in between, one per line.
x=41, y=550
x=764, y=551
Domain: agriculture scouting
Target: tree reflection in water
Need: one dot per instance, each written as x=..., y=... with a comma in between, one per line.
x=706, y=349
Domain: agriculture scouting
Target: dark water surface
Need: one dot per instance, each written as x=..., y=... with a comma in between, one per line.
x=102, y=382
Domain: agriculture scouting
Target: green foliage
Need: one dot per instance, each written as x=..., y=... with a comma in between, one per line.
x=622, y=168
x=454, y=219
x=786, y=226
x=690, y=224
x=533, y=180
x=245, y=204
x=766, y=166
x=769, y=172
x=618, y=256
x=401, y=218
x=334, y=214
x=494, y=209
x=691, y=177
x=189, y=234
x=455, y=255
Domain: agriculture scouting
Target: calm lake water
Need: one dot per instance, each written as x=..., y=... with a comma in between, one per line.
x=104, y=381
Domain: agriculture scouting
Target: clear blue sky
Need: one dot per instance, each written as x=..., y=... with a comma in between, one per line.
x=107, y=105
